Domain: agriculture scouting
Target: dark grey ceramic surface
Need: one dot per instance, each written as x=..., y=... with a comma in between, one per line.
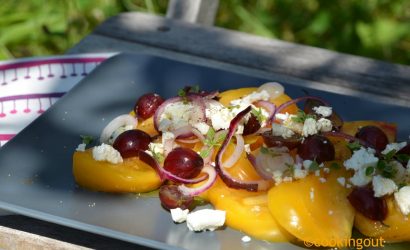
x=35, y=167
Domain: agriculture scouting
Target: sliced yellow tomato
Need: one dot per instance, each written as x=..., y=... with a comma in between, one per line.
x=313, y=211
x=247, y=212
x=395, y=228
x=132, y=175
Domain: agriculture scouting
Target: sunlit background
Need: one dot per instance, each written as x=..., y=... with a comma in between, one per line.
x=373, y=28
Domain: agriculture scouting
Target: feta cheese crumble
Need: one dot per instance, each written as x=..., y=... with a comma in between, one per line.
x=219, y=115
x=106, y=152
x=280, y=130
x=309, y=127
x=178, y=215
x=324, y=111
x=362, y=158
x=402, y=198
x=394, y=146
x=81, y=147
x=246, y=239
x=202, y=127
x=342, y=181
x=205, y=219
x=383, y=186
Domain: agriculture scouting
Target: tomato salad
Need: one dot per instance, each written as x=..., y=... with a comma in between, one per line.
x=270, y=168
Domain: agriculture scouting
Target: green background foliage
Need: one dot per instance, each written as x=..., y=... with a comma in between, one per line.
x=373, y=28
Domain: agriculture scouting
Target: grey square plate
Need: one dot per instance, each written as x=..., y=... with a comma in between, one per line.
x=35, y=167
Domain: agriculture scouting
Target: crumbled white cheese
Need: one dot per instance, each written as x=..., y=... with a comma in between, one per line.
x=402, y=198
x=317, y=173
x=394, y=146
x=219, y=115
x=307, y=164
x=324, y=125
x=106, y=152
x=326, y=170
x=324, y=111
x=287, y=179
x=178, y=215
x=177, y=115
x=341, y=180
x=361, y=158
x=383, y=186
x=283, y=116
x=280, y=130
x=309, y=127
x=206, y=219
x=157, y=148
x=81, y=147
x=246, y=239
x=360, y=178
x=167, y=136
x=322, y=180
x=202, y=127
x=300, y=173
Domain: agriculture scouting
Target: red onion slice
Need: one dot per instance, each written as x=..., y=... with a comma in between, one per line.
x=114, y=124
x=210, y=171
x=270, y=107
x=240, y=146
x=164, y=174
x=225, y=176
x=261, y=172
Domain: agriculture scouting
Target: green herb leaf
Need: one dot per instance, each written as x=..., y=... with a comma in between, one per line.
x=335, y=165
x=314, y=166
x=195, y=89
x=369, y=171
x=258, y=114
x=353, y=146
x=301, y=117
x=403, y=157
x=390, y=155
x=267, y=151
x=205, y=152
x=87, y=139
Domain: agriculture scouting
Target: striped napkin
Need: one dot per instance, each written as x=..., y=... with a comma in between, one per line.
x=30, y=86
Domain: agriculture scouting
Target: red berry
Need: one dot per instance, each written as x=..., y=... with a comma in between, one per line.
x=130, y=142
x=184, y=163
x=147, y=105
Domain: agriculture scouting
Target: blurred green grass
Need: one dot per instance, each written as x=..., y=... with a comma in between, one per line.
x=373, y=28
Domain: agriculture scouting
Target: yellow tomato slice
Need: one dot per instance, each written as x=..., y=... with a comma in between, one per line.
x=132, y=175
x=313, y=211
x=395, y=228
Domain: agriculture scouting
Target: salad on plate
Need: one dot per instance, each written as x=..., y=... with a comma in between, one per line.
x=275, y=168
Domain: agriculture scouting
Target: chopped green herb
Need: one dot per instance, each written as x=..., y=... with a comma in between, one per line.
x=183, y=94
x=402, y=157
x=369, y=171
x=233, y=107
x=87, y=139
x=314, y=166
x=390, y=155
x=290, y=171
x=210, y=141
x=381, y=165
x=194, y=89
x=335, y=165
x=258, y=114
x=267, y=151
x=301, y=116
x=157, y=156
x=353, y=146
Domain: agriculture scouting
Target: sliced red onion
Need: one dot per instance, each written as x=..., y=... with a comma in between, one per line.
x=273, y=88
x=270, y=107
x=294, y=101
x=164, y=174
x=240, y=146
x=206, y=95
x=210, y=171
x=189, y=141
x=183, y=132
x=114, y=124
x=261, y=172
x=197, y=101
x=225, y=176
